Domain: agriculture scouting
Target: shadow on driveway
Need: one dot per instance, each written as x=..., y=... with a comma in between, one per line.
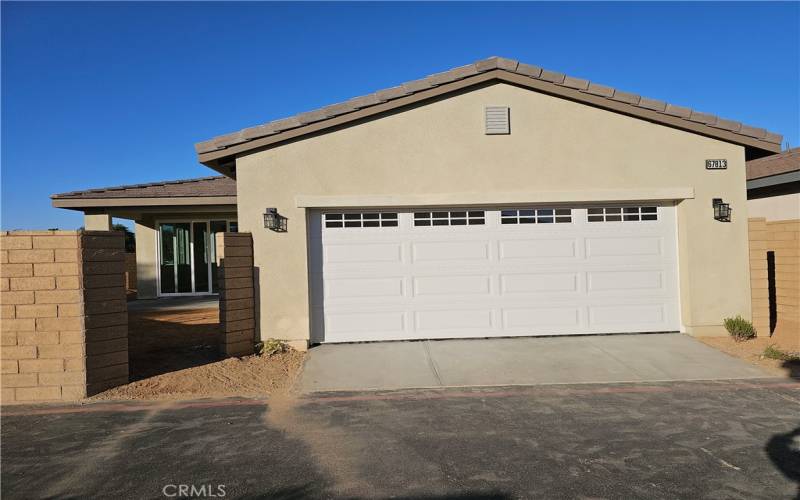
x=784, y=451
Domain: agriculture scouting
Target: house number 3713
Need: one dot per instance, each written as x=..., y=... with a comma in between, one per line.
x=716, y=164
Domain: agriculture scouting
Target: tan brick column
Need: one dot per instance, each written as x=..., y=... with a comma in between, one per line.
x=236, y=293
x=759, y=286
x=50, y=291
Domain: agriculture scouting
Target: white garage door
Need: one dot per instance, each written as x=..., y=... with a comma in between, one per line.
x=487, y=272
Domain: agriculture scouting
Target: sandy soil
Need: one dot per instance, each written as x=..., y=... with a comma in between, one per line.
x=251, y=376
x=166, y=341
x=752, y=351
x=174, y=355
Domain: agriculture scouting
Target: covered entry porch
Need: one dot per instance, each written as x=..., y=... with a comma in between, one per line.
x=174, y=222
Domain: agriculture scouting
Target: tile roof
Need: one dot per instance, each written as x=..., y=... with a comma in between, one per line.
x=781, y=163
x=463, y=72
x=203, y=186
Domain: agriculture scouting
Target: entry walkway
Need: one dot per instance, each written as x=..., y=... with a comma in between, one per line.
x=175, y=303
x=517, y=361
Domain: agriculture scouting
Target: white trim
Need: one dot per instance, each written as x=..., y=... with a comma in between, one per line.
x=495, y=198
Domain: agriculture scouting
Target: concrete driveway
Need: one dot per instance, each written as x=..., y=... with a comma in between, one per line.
x=517, y=361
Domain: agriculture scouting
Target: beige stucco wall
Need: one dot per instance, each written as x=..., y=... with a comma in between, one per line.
x=784, y=207
x=147, y=247
x=555, y=145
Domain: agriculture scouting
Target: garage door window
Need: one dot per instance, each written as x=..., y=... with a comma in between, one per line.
x=452, y=218
x=361, y=219
x=536, y=216
x=622, y=214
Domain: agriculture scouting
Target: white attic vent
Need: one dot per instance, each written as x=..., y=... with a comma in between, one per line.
x=497, y=121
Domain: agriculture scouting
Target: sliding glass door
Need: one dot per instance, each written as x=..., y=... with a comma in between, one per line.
x=187, y=256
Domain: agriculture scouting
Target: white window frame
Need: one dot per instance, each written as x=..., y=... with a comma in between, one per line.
x=190, y=221
x=622, y=213
x=468, y=217
x=392, y=218
x=536, y=214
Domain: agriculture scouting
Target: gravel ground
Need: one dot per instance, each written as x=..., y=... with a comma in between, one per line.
x=752, y=351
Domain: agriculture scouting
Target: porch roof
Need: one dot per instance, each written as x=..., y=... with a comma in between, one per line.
x=217, y=190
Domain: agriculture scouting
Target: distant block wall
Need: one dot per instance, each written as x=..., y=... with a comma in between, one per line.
x=236, y=293
x=782, y=238
x=130, y=271
x=64, y=314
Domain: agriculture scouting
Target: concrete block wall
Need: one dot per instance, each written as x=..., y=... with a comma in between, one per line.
x=60, y=293
x=783, y=238
x=757, y=232
x=236, y=293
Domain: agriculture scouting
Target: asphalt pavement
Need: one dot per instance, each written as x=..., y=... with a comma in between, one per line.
x=725, y=439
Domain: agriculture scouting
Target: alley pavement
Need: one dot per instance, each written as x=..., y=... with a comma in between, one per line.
x=724, y=439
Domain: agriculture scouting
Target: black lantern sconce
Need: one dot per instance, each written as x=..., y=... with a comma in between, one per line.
x=722, y=211
x=275, y=221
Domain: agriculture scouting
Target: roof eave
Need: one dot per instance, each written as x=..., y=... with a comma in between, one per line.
x=175, y=201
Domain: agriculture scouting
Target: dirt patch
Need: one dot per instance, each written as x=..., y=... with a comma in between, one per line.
x=752, y=351
x=174, y=354
x=251, y=376
x=165, y=341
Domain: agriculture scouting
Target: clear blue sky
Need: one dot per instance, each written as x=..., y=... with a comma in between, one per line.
x=100, y=94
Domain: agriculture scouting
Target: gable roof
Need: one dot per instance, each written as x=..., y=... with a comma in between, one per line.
x=217, y=190
x=494, y=68
x=783, y=163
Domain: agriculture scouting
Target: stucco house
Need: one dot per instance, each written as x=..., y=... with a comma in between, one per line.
x=493, y=199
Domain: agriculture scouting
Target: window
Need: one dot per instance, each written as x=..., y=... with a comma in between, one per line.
x=622, y=214
x=361, y=219
x=536, y=216
x=455, y=218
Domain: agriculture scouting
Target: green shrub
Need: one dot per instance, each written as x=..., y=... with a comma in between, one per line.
x=271, y=346
x=739, y=328
x=773, y=352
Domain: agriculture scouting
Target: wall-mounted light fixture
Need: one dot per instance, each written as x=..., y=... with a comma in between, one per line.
x=722, y=211
x=275, y=221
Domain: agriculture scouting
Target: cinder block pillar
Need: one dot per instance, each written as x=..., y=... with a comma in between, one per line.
x=64, y=316
x=236, y=293
x=105, y=308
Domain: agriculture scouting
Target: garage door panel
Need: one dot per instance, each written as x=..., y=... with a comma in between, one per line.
x=365, y=322
x=624, y=246
x=451, y=285
x=600, y=281
x=453, y=320
x=625, y=315
x=448, y=251
x=364, y=287
x=368, y=252
x=537, y=318
x=537, y=283
x=493, y=279
x=537, y=249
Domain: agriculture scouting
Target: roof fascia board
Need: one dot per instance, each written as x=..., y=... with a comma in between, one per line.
x=503, y=76
x=142, y=202
x=774, y=180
